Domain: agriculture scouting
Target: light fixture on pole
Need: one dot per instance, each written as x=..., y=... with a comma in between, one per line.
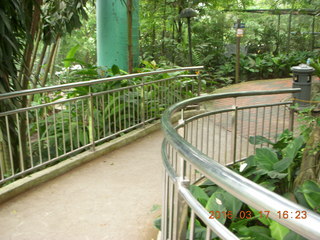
x=188, y=13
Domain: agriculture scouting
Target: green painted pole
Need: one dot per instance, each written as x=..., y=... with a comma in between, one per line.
x=112, y=33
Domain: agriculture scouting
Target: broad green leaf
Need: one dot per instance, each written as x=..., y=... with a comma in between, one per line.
x=254, y=232
x=157, y=223
x=283, y=164
x=216, y=204
x=293, y=236
x=300, y=198
x=274, y=174
x=199, y=231
x=293, y=148
x=262, y=218
x=278, y=231
x=239, y=223
x=199, y=194
x=251, y=161
x=260, y=233
x=283, y=139
x=256, y=140
x=265, y=158
x=311, y=193
x=210, y=190
x=115, y=70
x=232, y=204
x=268, y=185
x=70, y=55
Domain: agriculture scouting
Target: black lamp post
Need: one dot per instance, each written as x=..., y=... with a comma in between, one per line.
x=188, y=13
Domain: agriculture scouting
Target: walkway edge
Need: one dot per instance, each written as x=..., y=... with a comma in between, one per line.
x=13, y=189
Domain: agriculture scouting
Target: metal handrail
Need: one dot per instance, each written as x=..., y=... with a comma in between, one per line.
x=242, y=188
x=214, y=224
x=84, y=121
x=92, y=82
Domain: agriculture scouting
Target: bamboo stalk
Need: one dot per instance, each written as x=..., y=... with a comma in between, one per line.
x=37, y=74
x=54, y=58
x=53, y=49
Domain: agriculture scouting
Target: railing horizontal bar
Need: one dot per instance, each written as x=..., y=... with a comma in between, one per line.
x=37, y=167
x=206, y=114
x=20, y=110
x=133, y=86
x=266, y=105
x=188, y=75
x=92, y=82
x=196, y=100
x=161, y=80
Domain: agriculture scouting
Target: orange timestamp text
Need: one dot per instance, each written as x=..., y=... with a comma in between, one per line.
x=260, y=214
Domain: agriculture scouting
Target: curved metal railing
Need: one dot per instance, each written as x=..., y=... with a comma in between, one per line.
x=200, y=147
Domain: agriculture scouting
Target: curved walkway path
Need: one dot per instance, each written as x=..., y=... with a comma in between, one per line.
x=109, y=198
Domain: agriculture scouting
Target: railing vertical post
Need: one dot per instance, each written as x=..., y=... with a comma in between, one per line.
x=234, y=134
x=181, y=212
x=291, y=119
x=164, y=217
x=91, y=120
x=199, y=83
x=181, y=131
x=143, y=105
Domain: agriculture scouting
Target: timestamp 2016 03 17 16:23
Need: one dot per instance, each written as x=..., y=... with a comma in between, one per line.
x=261, y=214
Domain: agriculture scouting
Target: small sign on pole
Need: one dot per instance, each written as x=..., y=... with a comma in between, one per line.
x=240, y=32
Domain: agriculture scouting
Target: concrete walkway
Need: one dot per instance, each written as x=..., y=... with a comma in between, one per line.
x=109, y=198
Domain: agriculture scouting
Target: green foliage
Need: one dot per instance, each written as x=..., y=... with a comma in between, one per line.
x=260, y=66
x=272, y=168
x=311, y=194
x=315, y=63
x=62, y=128
x=61, y=17
x=71, y=56
x=278, y=231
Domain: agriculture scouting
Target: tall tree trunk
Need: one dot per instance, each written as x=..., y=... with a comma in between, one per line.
x=130, y=53
x=5, y=165
x=154, y=30
x=173, y=37
x=34, y=28
x=164, y=28
x=310, y=165
x=179, y=27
